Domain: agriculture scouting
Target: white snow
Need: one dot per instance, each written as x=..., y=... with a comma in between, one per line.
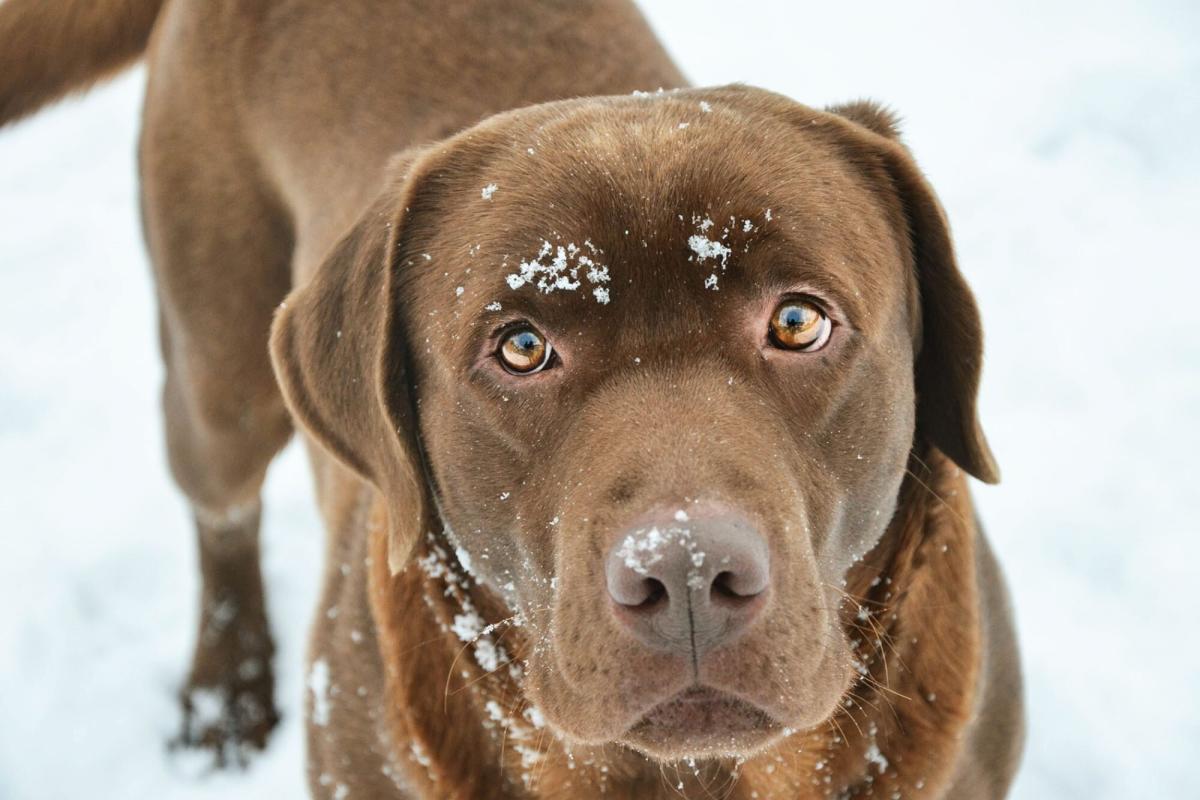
x=318, y=685
x=468, y=626
x=557, y=267
x=640, y=550
x=1061, y=139
x=643, y=549
x=488, y=191
x=706, y=248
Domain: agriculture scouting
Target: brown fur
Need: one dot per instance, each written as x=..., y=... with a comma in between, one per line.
x=51, y=49
x=337, y=151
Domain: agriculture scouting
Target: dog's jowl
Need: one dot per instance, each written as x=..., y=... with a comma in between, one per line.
x=641, y=415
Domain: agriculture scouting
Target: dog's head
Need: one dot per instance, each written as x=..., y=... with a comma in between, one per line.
x=656, y=364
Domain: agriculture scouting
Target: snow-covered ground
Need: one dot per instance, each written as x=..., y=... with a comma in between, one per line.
x=1063, y=139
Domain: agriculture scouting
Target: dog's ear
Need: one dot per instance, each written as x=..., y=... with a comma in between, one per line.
x=339, y=354
x=950, y=338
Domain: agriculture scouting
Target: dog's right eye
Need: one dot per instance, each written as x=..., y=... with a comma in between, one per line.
x=800, y=324
x=524, y=351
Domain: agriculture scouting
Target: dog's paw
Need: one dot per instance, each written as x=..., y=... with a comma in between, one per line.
x=229, y=721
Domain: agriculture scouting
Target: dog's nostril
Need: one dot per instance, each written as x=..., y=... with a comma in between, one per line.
x=730, y=587
x=656, y=593
x=722, y=586
x=637, y=592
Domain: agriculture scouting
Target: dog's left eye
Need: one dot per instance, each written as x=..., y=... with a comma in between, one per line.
x=800, y=324
x=524, y=351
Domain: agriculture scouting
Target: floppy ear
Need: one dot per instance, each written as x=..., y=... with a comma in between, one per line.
x=339, y=356
x=950, y=354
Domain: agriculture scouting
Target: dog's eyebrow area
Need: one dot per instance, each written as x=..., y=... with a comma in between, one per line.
x=578, y=232
x=688, y=265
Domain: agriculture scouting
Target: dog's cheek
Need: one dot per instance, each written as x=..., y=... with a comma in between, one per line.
x=479, y=480
x=868, y=458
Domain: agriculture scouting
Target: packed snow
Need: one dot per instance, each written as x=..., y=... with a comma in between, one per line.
x=1061, y=137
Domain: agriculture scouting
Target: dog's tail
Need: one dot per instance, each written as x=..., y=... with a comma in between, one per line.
x=50, y=48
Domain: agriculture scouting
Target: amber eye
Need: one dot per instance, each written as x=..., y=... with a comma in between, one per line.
x=524, y=351
x=800, y=325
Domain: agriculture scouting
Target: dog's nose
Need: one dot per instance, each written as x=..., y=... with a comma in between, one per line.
x=689, y=584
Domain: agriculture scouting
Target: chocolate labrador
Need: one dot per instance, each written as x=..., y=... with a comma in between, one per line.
x=639, y=413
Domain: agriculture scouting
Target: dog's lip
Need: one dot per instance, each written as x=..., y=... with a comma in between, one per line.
x=702, y=711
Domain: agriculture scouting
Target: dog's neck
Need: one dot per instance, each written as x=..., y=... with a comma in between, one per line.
x=460, y=726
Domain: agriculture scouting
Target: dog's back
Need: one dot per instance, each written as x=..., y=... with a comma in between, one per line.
x=323, y=93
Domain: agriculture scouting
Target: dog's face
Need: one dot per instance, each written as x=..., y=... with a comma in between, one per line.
x=659, y=363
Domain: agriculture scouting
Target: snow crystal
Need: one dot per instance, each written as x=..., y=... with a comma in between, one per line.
x=705, y=107
x=208, y=708
x=643, y=549
x=487, y=655
x=467, y=626
x=464, y=558
x=534, y=715
x=518, y=734
x=559, y=268
x=493, y=306
x=488, y=191
x=318, y=684
x=706, y=248
x=877, y=758
x=419, y=754
x=640, y=550
x=458, y=291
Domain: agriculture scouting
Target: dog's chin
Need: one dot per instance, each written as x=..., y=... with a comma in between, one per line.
x=700, y=722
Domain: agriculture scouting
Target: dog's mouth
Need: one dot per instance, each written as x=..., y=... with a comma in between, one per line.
x=702, y=721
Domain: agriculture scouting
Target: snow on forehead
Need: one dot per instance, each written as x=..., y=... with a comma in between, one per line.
x=563, y=267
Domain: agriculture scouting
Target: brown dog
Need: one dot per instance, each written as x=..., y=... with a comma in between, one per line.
x=637, y=419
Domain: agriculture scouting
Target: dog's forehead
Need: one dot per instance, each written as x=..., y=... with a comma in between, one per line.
x=637, y=200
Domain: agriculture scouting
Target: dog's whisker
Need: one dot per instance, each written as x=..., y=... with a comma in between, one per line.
x=912, y=451
x=833, y=720
x=945, y=503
